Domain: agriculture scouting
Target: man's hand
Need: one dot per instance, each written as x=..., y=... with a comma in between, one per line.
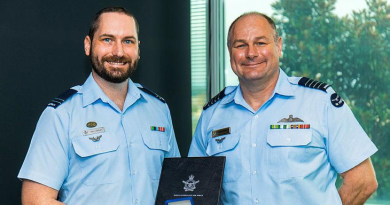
x=358, y=184
x=34, y=193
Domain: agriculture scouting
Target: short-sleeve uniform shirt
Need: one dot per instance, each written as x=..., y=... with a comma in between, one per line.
x=94, y=153
x=287, y=152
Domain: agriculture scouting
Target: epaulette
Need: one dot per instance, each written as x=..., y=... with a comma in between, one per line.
x=307, y=82
x=150, y=92
x=215, y=99
x=61, y=98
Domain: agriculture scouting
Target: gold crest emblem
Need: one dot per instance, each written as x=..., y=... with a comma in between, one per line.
x=91, y=124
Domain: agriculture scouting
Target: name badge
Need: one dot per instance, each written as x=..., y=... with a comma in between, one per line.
x=94, y=131
x=220, y=132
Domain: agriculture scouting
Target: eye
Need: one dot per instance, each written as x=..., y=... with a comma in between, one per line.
x=260, y=43
x=240, y=45
x=107, y=40
x=128, y=41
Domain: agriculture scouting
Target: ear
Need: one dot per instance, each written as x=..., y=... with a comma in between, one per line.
x=87, y=45
x=139, y=50
x=279, y=44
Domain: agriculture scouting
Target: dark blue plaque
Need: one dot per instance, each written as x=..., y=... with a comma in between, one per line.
x=191, y=178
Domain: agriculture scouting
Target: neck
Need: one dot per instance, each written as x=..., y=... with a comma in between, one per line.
x=256, y=93
x=115, y=91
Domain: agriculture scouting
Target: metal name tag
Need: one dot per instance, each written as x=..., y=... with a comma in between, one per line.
x=94, y=131
x=220, y=132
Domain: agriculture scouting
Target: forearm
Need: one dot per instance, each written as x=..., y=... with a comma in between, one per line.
x=354, y=195
x=358, y=184
x=41, y=202
x=34, y=193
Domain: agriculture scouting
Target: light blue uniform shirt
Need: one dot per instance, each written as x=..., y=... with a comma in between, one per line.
x=282, y=166
x=122, y=167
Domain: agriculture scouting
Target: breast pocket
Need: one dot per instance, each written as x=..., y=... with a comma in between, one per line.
x=288, y=154
x=229, y=147
x=156, y=145
x=98, y=158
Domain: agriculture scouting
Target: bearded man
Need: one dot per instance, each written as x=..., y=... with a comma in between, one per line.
x=103, y=142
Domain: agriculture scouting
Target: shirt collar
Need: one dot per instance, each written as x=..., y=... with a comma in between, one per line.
x=230, y=93
x=133, y=94
x=92, y=92
x=283, y=87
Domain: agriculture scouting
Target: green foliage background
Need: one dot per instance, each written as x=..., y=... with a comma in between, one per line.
x=350, y=53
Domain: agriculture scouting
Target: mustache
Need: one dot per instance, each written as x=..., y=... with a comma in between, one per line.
x=117, y=59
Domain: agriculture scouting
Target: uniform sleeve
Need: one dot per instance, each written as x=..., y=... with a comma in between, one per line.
x=198, y=147
x=47, y=159
x=174, y=150
x=348, y=144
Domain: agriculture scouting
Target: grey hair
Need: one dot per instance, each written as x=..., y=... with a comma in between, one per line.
x=270, y=21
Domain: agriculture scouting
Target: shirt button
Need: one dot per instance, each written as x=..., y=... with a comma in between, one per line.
x=256, y=116
x=131, y=144
x=256, y=201
x=253, y=144
x=254, y=172
x=137, y=201
x=134, y=173
x=288, y=139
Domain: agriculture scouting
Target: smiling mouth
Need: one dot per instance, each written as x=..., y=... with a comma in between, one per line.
x=116, y=63
x=251, y=64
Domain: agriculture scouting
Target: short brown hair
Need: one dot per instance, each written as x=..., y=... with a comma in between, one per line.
x=94, y=26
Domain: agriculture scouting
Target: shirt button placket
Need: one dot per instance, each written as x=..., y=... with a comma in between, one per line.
x=253, y=156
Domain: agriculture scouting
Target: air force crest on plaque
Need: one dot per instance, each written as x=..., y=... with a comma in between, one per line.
x=189, y=185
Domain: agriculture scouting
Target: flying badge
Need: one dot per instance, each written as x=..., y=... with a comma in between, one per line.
x=93, y=131
x=91, y=124
x=290, y=119
x=336, y=100
x=219, y=141
x=95, y=139
x=220, y=132
x=160, y=129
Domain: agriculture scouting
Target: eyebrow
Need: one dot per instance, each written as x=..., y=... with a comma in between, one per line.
x=244, y=41
x=112, y=36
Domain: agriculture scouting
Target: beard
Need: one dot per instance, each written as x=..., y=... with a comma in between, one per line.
x=115, y=75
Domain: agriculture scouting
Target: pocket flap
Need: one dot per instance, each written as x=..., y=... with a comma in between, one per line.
x=230, y=142
x=289, y=137
x=155, y=140
x=84, y=146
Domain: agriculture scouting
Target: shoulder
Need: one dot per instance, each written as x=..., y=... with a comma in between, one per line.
x=149, y=92
x=63, y=97
x=325, y=89
x=224, y=92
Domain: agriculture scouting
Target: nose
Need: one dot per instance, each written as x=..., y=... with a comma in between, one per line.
x=117, y=49
x=251, y=52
